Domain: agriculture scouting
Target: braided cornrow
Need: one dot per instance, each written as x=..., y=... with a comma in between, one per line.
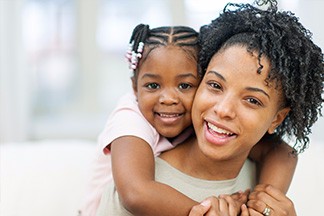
x=140, y=33
x=182, y=36
x=296, y=62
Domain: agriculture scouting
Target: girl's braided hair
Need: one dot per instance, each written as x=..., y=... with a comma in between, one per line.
x=296, y=62
x=181, y=36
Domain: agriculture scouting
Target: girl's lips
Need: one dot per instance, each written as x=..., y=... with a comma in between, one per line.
x=217, y=135
x=169, y=118
x=169, y=115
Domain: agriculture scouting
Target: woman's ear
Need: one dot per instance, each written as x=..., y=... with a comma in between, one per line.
x=279, y=118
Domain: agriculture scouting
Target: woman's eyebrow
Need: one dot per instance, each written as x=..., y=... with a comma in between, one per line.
x=254, y=89
x=258, y=90
x=217, y=74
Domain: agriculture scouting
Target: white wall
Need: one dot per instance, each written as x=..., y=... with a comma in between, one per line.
x=15, y=83
x=312, y=16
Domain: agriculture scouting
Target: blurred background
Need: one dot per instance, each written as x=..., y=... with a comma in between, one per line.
x=62, y=64
x=62, y=70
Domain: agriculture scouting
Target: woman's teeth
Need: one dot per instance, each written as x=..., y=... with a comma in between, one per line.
x=218, y=130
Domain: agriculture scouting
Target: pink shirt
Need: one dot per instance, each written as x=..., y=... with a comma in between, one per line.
x=126, y=119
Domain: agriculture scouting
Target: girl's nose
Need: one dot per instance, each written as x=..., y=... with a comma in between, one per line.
x=169, y=97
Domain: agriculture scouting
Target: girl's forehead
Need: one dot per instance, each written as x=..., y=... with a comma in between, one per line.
x=170, y=48
x=171, y=52
x=168, y=59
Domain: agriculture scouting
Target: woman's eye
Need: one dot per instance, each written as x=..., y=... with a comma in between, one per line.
x=184, y=86
x=215, y=85
x=254, y=101
x=153, y=86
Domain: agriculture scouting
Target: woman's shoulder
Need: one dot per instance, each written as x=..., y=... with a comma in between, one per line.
x=248, y=173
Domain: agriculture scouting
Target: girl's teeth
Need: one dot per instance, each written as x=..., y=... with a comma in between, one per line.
x=169, y=115
x=218, y=130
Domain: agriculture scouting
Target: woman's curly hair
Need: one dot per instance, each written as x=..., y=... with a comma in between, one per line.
x=296, y=62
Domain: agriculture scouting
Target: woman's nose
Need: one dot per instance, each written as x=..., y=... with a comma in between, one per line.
x=169, y=97
x=226, y=107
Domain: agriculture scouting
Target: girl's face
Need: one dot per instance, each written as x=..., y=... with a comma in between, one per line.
x=234, y=107
x=165, y=87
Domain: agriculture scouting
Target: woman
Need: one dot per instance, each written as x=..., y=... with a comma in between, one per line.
x=280, y=73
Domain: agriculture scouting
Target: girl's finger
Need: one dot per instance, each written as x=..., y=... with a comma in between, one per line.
x=233, y=205
x=244, y=210
x=201, y=209
x=223, y=206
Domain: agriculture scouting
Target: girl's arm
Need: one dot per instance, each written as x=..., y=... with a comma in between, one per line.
x=276, y=162
x=133, y=168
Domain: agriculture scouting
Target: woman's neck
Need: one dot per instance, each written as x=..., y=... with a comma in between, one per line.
x=188, y=159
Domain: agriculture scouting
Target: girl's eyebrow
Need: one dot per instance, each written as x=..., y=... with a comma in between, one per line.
x=149, y=75
x=248, y=88
x=187, y=75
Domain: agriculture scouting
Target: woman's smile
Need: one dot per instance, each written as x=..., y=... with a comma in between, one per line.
x=217, y=135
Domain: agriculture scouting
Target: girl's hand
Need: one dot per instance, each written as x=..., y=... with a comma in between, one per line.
x=266, y=196
x=200, y=209
x=224, y=205
x=244, y=210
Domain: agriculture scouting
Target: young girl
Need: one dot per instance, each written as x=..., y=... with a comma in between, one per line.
x=157, y=117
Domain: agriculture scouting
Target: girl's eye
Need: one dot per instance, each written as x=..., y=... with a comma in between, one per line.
x=153, y=86
x=254, y=101
x=184, y=86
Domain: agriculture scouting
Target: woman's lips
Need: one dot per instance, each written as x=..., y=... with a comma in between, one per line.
x=215, y=129
x=217, y=135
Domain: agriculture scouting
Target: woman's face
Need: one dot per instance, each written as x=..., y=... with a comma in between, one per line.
x=165, y=88
x=234, y=107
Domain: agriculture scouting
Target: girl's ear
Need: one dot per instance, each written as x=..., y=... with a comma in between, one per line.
x=134, y=85
x=278, y=119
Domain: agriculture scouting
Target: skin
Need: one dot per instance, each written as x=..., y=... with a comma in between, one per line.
x=164, y=86
x=225, y=205
x=222, y=205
